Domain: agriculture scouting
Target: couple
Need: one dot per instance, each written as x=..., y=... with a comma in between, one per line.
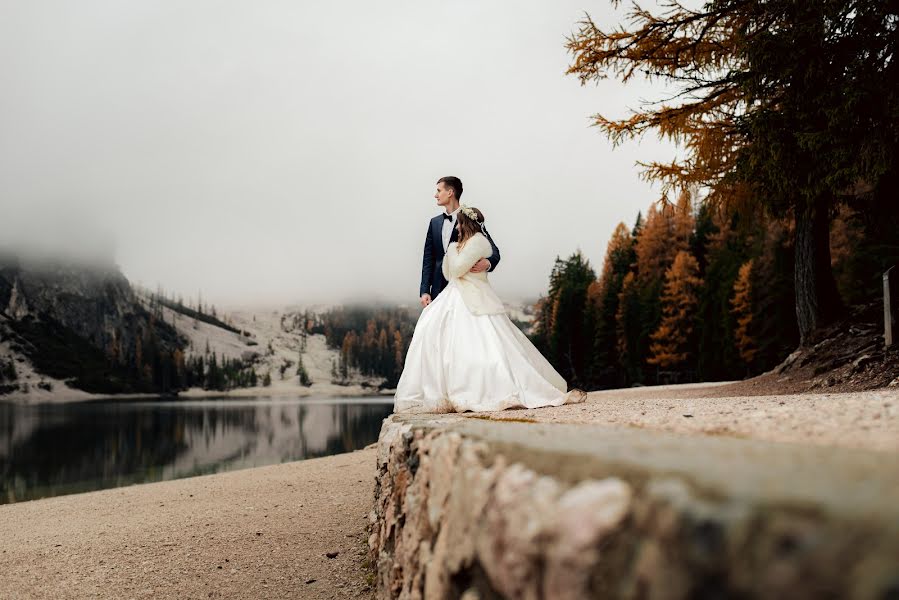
x=465, y=353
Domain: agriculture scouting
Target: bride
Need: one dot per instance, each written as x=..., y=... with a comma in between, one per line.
x=466, y=354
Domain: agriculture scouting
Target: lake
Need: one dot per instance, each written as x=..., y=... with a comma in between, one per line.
x=50, y=450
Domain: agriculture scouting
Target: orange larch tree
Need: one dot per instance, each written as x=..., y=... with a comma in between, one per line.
x=674, y=340
x=742, y=309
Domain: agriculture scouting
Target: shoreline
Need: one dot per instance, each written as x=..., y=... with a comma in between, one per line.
x=261, y=532
x=74, y=396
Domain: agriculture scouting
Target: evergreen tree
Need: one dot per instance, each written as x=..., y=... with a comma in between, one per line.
x=742, y=309
x=728, y=246
x=628, y=330
x=301, y=372
x=399, y=357
x=673, y=343
x=603, y=301
x=774, y=317
x=638, y=225
x=561, y=331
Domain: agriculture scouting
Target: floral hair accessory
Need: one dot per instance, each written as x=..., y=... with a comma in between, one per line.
x=469, y=212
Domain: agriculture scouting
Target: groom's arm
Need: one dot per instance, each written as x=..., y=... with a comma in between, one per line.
x=427, y=265
x=493, y=258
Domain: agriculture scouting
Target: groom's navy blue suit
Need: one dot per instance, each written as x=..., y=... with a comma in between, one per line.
x=432, y=280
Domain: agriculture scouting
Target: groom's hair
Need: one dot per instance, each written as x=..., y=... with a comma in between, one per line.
x=453, y=182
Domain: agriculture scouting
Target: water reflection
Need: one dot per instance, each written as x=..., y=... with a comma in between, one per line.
x=63, y=449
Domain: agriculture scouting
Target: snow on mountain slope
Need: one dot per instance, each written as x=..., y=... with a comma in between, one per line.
x=272, y=346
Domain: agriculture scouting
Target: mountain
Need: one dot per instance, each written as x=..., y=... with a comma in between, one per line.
x=72, y=331
x=81, y=327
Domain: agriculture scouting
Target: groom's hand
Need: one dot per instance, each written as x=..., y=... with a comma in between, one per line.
x=481, y=265
x=425, y=300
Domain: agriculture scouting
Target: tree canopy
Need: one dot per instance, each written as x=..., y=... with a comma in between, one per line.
x=781, y=105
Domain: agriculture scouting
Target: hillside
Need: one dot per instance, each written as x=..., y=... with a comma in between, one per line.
x=69, y=330
x=73, y=332
x=268, y=341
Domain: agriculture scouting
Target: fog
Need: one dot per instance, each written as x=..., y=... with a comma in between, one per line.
x=276, y=152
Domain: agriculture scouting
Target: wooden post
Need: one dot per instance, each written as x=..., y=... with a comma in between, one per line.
x=890, y=302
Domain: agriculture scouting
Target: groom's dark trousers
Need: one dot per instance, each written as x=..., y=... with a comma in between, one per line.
x=432, y=280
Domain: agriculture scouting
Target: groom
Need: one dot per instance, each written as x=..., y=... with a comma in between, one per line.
x=441, y=232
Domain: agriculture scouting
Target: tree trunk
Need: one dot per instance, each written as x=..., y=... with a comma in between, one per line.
x=817, y=300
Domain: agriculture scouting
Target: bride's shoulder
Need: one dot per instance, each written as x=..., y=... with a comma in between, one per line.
x=481, y=240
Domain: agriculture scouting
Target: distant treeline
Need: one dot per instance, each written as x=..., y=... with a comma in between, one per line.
x=694, y=295
x=372, y=340
x=156, y=367
x=176, y=372
x=217, y=373
x=158, y=299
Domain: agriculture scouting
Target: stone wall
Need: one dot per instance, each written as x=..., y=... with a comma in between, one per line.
x=474, y=509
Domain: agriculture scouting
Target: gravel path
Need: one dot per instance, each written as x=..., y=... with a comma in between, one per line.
x=868, y=420
x=256, y=533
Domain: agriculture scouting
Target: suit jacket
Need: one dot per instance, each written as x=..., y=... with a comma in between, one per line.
x=432, y=279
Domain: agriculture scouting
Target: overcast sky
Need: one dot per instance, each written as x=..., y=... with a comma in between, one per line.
x=268, y=152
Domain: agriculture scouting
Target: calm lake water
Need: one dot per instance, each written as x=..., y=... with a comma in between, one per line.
x=63, y=449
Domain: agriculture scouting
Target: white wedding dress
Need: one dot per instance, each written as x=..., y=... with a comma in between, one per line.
x=466, y=354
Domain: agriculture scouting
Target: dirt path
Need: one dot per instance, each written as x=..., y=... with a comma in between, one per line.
x=256, y=533
x=867, y=420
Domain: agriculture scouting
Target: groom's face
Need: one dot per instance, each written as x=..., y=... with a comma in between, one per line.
x=444, y=194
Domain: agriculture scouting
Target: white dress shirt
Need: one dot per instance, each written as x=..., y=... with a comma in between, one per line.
x=448, y=225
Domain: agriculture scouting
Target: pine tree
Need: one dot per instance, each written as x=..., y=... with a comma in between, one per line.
x=178, y=359
x=728, y=245
x=212, y=374
x=654, y=248
x=301, y=372
x=638, y=225
x=399, y=356
x=563, y=330
x=774, y=316
x=673, y=343
x=656, y=245
x=628, y=329
x=603, y=302
x=742, y=309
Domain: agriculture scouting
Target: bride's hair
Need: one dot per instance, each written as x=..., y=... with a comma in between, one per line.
x=468, y=226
